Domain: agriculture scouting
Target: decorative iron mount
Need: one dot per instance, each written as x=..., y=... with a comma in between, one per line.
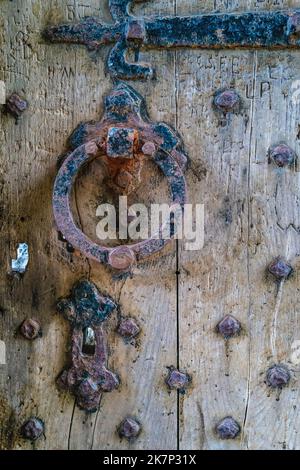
x=278, y=29
x=87, y=377
x=123, y=139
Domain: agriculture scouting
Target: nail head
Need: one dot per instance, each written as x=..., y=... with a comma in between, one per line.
x=282, y=155
x=278, y=376
x=30, y=329
x=228, y=428
x=130, y=428
x=178, y=380
x=32, y=429
x=280, y=269
x=227, y=100
x=229, y=327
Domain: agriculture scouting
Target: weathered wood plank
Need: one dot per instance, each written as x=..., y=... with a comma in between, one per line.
x=231, y=176
x=273, y=416
x=64, y=86
x=252, y=215
x=151, y=298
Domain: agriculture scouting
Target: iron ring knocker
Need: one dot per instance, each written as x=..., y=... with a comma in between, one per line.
x=123, y=138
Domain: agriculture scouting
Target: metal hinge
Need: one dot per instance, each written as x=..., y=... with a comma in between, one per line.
x=277, y=29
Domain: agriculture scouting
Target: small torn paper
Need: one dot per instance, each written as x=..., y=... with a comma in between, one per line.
x=2, y=92
x=19, y=265
x=2, y=353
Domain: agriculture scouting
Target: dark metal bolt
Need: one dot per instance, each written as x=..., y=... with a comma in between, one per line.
x=32, y=429
x=227, y=100
x=178, y=380
x=229, y=327
x=228, y=428
x=30, y=329
x=15, y=105
x=280, y=269
x=130, y=428
x=128, y=328
x=278, y=376
x=282, y=155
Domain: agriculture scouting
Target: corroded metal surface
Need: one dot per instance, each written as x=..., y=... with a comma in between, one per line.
x=282, y=155
x=130, y=428
x=32, y=429
x=277, y=29
x=30, y=329
x=229, y=327
x=278, y=376
x=126, y=120
x=88, y=377
x=228, y=428
x=15, y=105
x=128, y=328
x=280, y=269
x=178, y=380
x=227, y=101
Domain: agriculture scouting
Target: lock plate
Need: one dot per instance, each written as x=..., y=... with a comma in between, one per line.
x=88, y=376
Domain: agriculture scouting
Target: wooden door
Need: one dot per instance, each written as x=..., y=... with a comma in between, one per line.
x=178, y=298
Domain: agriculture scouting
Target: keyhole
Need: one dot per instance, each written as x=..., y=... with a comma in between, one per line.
x=89, y=341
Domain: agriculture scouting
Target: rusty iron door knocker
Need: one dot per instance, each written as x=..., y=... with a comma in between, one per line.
x=123, y=139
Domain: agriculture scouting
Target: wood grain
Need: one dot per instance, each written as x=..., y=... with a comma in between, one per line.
x=251, y=216
x=64, y=86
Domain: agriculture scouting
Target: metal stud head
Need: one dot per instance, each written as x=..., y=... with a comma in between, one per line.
x=228, y=428
x=121, y=142
x=178, y=380
x=15, y=105
x=278, y=376
x=149, y=148
x=280, y=269
x=121, y=258
x=229, y=327
x=30, y=329
x=282, y=155
x=32, y=429
x=135, y=32
x=227, y=101
x=130, y=428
